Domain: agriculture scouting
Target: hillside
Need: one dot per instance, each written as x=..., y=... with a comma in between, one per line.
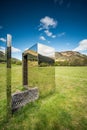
x=3, y=59
x=70, y=58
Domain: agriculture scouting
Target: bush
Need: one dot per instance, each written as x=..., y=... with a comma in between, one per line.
x=18, y=63
x=43, y=64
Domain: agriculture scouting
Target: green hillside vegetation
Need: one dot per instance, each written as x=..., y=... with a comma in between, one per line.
x=16, y=61
x=65, y=109
x=2, y=57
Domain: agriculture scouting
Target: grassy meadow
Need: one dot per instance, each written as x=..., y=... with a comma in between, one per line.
x=65, y=109
x=43, y=78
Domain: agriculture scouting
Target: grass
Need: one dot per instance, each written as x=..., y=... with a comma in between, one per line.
x=44, y=78
x=66, y=109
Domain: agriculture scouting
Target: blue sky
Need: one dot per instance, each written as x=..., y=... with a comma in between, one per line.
x=61, y=24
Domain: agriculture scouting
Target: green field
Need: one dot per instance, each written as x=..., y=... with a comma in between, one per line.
x=65, y=109
x=43, y=78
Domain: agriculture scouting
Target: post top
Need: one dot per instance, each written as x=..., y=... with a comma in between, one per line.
x=9, y=40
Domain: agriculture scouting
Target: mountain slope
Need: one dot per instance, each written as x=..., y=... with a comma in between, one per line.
x=2, y=57
x=70, y=58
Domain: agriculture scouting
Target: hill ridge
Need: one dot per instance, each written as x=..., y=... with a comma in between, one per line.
x=70, y=58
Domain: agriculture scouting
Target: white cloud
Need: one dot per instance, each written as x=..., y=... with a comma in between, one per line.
x=47, y=22
x=2, y=49
x=49, y=34
x=40, y=28
x=46, y=50
x=61, y=34
x=85, y=53
x=82, y=46
x=3, y=39
x=42, y=38
x=53, y=36
x=26, y=49
x=15, y=50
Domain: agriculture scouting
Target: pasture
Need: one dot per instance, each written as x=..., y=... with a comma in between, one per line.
x=65, y=109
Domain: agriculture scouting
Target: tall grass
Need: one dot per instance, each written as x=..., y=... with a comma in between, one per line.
x=66, y=109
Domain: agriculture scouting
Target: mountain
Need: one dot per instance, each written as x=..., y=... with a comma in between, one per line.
x=3, y=59
x=70, y=58
x=66, y=58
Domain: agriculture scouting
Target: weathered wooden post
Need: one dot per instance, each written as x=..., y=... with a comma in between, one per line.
x=9, y=110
